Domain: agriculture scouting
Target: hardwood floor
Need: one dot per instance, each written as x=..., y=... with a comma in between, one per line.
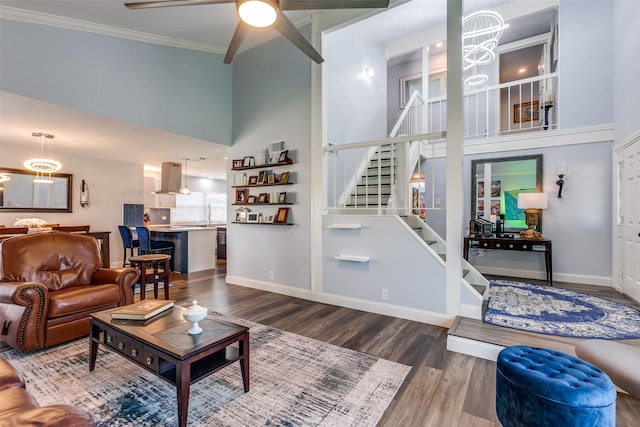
x=443, y=389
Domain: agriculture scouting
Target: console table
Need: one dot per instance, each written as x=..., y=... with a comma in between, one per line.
x=515, y=244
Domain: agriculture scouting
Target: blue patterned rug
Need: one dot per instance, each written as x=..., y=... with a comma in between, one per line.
x=295, y=381
x=556, y=311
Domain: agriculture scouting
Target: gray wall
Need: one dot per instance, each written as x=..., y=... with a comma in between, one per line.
x=271, y=105
x=355, y=103
x=176, y=90
x=626, y=52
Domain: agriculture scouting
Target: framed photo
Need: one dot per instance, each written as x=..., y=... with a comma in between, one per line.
x=271, y=178
x=526, y=112
x=284, y=178
x=263, y=198
x=252, y=216
x=270, y=218
x=282, y=197
x=253, y=180
x=242, y=194
x=241, y=214
x=262, y=177
x=281, y=216
x=246, y=162
x=283, y=156
x=252, y=199
x=238, y=163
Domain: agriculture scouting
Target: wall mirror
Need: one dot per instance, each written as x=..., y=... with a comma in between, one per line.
x=19, y=192
x=496, y=183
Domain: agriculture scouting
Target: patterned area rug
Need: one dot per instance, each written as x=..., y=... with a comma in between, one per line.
x=295, y=381
x=556, y=311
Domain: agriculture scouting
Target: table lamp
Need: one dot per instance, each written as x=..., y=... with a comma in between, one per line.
x=532, y=203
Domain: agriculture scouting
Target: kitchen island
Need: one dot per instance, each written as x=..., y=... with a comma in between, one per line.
x=195, y=246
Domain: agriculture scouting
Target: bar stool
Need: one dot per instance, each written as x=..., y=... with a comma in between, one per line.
x=127, y=242
x=148, y=246
x=154, y=268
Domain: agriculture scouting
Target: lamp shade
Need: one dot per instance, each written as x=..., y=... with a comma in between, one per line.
x=532, y=201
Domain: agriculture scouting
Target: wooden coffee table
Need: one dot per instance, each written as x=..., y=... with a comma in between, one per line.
x=164, y=347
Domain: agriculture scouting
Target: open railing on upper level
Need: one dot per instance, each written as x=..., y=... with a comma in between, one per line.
x=373, y=176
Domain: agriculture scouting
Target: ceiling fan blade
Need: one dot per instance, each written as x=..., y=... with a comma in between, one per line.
x=236, y=41
x=290, y=31
x=168, y=3
x=332, y=4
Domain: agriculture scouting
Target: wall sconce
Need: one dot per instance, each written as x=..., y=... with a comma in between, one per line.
x=532, y=203
x=84, y=194
x=561, y=171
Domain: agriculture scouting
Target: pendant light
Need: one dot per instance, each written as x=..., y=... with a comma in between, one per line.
x=42, y=163
x=185, y=189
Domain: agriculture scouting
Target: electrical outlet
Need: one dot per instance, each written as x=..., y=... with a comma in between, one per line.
x=270, y=274
x=385, y=294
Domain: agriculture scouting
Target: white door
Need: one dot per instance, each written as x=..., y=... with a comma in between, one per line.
x=630, y=255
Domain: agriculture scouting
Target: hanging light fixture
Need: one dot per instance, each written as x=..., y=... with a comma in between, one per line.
x=185, y=189
x=481, y=31
x=258, y=13
x=42, y=163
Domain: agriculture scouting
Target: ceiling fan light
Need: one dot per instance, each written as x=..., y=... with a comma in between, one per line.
x=257, y=13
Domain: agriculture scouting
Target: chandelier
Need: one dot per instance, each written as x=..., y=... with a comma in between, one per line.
x=481, y=31
x=42, y=163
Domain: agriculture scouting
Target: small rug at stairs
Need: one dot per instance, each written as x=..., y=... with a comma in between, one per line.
x=295, y=381
x=556, y=311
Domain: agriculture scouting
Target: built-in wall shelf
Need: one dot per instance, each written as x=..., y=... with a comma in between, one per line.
x=345, y=226
x=352, y=258
x=259, y=223
x=262, y=166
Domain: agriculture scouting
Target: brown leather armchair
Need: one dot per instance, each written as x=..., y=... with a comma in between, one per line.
x=18, y=408
x=50, y=283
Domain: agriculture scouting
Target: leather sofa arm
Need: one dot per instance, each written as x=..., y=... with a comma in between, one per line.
x=23, y=307
x=18, y=408
x=125, y=277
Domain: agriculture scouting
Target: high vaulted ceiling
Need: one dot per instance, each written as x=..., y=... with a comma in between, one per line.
x=205, y=27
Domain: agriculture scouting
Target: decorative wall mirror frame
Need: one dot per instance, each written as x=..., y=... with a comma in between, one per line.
x=509, y=176
x=21, y=194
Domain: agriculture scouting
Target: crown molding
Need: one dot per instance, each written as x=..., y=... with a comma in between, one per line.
x=92, y=27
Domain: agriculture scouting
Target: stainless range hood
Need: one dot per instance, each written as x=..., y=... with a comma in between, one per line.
x=171, y=180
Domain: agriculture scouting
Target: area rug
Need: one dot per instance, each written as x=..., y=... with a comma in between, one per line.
x=556, y=311
x=295, y=381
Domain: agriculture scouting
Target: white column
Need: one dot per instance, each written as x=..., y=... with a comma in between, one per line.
x=454, y=156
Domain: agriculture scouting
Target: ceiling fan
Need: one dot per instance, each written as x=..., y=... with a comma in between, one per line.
x=264, y=13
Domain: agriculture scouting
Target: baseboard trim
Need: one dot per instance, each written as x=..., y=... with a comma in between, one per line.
x=540, y=275
x=474, y=348
x=432, y=318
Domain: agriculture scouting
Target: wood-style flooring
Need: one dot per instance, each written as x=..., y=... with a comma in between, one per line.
x=443, y=389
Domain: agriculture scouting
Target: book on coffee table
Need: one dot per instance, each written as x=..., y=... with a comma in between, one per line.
x=142, y=310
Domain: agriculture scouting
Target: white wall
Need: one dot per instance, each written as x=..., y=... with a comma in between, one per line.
x=110, y=185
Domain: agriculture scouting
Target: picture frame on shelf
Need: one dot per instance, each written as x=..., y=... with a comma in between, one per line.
x=241, y=214
x=242, y=195
x=284, y=178
x=281, y=216
x=246, y=162
x=526, y=112
x=271, y=178
x=253, y=216
x=283, y=156
x=262, y=177
x=251, y=199
x=263, y=198
x=253, y=180
x=270, y=218
x=282, y=197
x=238, y=163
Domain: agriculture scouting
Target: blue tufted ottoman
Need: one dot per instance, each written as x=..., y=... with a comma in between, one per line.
x=537, y=387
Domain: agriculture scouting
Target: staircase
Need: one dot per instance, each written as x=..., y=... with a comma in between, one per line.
x=471, y=278
x=373, y=187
